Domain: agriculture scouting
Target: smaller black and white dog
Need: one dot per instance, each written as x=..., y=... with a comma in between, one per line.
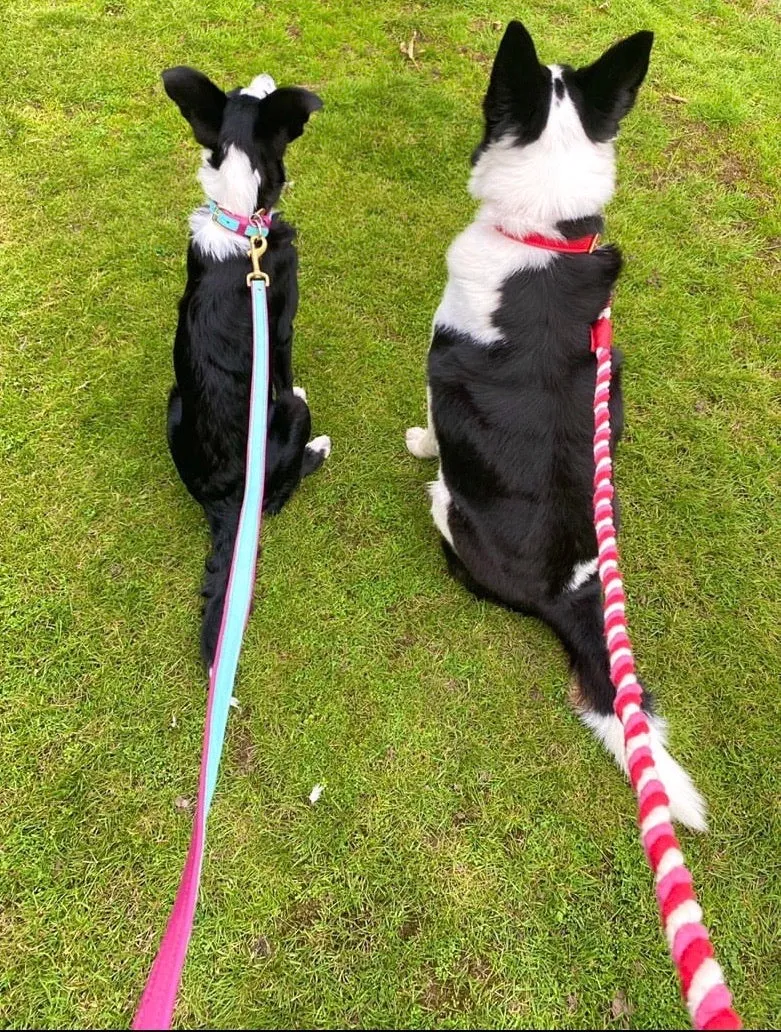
x=245, y=134
x=510, y=374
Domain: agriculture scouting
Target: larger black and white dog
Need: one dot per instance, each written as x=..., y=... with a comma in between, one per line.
x=510, y=373
x=245, y=134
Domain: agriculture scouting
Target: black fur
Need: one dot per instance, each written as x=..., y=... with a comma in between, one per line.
x=605, y=91
x=209, y=402
x=515, y=439
x=518, y=95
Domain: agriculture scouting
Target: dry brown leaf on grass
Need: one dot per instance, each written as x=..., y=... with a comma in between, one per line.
x=408, y=49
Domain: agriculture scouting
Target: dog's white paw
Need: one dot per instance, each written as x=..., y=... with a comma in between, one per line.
x=421, y=442
x=321, y=444
x=300, y=393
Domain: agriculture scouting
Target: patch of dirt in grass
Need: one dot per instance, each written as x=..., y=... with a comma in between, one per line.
x=410, y=927
x=243, y=747
x=442, y=996
x=485, y=25
x=301, y=917
x=694, y=152
x=620, y=1011
x=478, y=56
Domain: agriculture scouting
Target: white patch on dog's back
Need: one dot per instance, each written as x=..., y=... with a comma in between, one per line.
x=479, y=261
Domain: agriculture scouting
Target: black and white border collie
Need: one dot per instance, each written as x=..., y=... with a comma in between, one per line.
x=510, y=373
x=245, y=134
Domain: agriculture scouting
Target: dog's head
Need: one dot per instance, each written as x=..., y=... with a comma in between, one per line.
x=547, y=149
x=245, y=134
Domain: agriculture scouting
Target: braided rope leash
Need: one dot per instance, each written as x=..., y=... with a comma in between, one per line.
x=708, y=999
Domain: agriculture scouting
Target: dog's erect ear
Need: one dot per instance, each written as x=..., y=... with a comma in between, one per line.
x=284, y=113
x=518, y=95
x=610, y=84
x=200, y=101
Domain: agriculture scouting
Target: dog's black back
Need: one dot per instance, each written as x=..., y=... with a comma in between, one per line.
x=245, y=134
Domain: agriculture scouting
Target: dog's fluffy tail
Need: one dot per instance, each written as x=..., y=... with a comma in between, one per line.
x=577, y=618
x=223, y=519
x=686, y=804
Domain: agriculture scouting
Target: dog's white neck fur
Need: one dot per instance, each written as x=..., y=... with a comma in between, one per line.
x=234, y=186
x=562, y=175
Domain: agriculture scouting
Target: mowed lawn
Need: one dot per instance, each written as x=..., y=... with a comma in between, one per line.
x=473, y=861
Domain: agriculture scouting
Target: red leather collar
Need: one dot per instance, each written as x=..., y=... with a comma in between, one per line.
x=583, y=245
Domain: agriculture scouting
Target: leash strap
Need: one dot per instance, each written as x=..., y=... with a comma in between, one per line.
x=156, y=1008
x=708, y=999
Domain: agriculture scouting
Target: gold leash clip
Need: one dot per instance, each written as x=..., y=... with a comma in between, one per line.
x=257, y=248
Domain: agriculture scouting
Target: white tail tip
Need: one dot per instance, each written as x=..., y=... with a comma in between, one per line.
x=686, y=804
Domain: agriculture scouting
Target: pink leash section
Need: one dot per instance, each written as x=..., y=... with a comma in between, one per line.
x=708, y=999
x=156, y=1008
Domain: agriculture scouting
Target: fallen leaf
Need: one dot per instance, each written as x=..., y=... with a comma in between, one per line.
x=676, y=99
x=315, y=794
x=182, y=803
x=408, y=49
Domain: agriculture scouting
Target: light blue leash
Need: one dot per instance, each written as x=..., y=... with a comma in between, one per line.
x=156, y=1008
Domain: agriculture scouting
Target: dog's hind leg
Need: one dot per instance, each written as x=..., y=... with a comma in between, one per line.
x=288, y=431
x=315, y=454
x=181, y=445
x=318, y=449
x=577, y=618
x=422, y=442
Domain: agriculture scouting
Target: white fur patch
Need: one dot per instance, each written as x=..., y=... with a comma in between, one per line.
x=260, y=87
x=561, y=175
x=300, y=393
x=234, y=186
x=440, y=507
x=582, y=572
x=421, y=443
x=315, y=794
x=479, y=261
x=321, y=444
x=686, y=803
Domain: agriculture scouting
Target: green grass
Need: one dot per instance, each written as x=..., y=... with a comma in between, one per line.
x=473, y=861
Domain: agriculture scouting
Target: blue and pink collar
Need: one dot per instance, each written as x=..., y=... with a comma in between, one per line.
x=248, y=226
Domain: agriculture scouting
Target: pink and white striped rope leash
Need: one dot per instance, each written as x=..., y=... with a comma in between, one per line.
x=708, y=999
